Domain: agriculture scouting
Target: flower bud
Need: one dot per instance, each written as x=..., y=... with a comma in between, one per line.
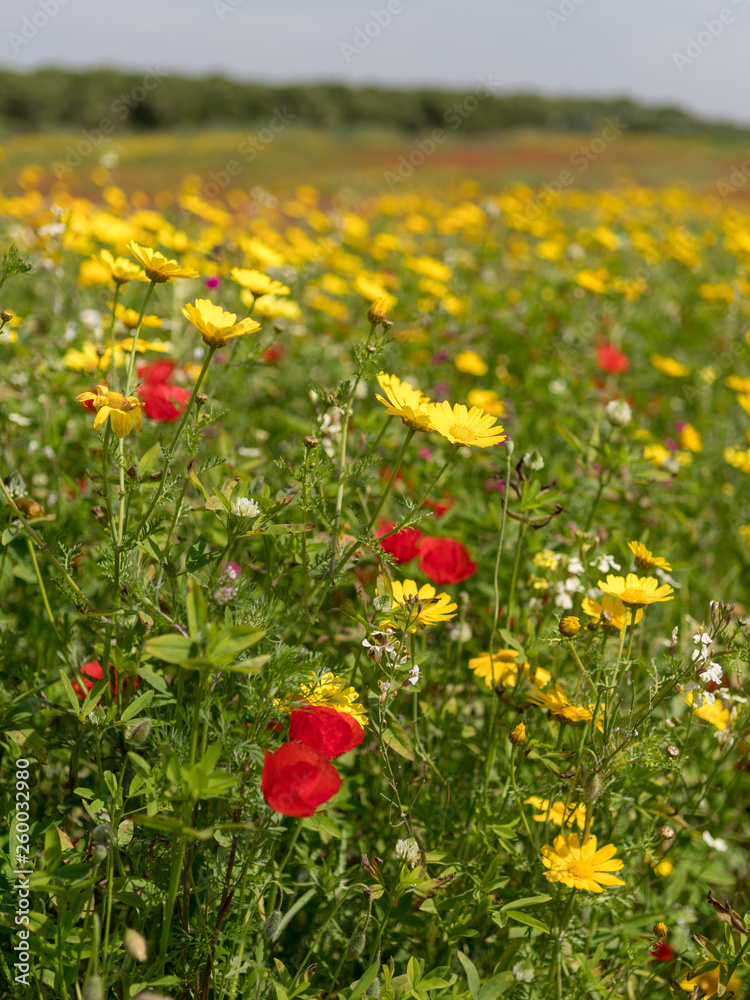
x=666, y=833
x=311, y=442
x=139, y=732
x=377, y=311
x=619, y=413
x=93, y=988
x=593, y=788
x=100, y=852
x=374, y=990
x=201, y=399
x=135, y=945
x=356, y=945
x=6, y=315
x=271, y=925
x=661, y=930
x=517, y=736
x=569, y=626
x=102, y=834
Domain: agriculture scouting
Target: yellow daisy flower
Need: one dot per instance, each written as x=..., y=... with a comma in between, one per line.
x=581, y=866
x=647, y=560
x=216, y=326
x=502, y=669
x=424, y=606
x=738, y=383
x=158, y=267
x=610, y=613
x=130, y=317
x=330, y=691
x=405, y=402
x=557, y=702
x=257, y=282
x=123, y=412
x=487, y=400
x=470, y=363
x=119, y=269
x=668, y=366
x=636, y=591
x=708, y=982
x=690, y=436
x=462, y=426
x=558, y=814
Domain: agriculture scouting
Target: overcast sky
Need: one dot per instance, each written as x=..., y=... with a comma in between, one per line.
x=584, y=47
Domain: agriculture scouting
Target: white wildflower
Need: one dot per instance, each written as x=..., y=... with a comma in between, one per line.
x=575, y=566
x=460, y=632
x=408, y=851
x=413, y=677
x=244, y=507
x=618, y=413
x=716, y=842
x=712, y=673
x=605, y=563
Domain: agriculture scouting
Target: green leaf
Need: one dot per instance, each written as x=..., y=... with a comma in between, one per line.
x=251, y=666
x=365, y=982
x=136, y=706
x=172, y=648
x=513, y=643
x=196, y=609
x=413, y=972
x=396, y=739
x=526, y=918
x=154, y=679
x=496, y=986
x=72, y=698
x=519, y=904
x=472, y=976
x=570, y=437
x=148, y=460
x=234, y=639
x=52, y=849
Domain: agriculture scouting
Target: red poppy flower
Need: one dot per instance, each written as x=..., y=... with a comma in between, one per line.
x=403, y=546
x=273, y=354
x=297, y=779
x=611, y=360
x=163, y=402
x=662, y=952
x=91, y=673
x=159, y=371
x=439, y=507
x=445, y=560
x=326, y=730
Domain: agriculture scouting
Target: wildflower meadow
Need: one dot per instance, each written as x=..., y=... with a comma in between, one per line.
x=374, y=569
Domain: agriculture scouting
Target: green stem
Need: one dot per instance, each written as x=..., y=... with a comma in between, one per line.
x=41, y=544
x=113, y=367
x=506, y=498
x=169, y=454
x=129, y=384
x=514, y=578
x=518, y=797
x=42, y=588
x=396, y=469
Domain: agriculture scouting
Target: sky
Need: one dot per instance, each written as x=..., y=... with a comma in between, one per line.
x=693, y=53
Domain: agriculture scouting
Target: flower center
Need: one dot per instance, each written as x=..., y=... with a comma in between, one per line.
x=463, y=434
x=581, y=869
x=632, y=597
